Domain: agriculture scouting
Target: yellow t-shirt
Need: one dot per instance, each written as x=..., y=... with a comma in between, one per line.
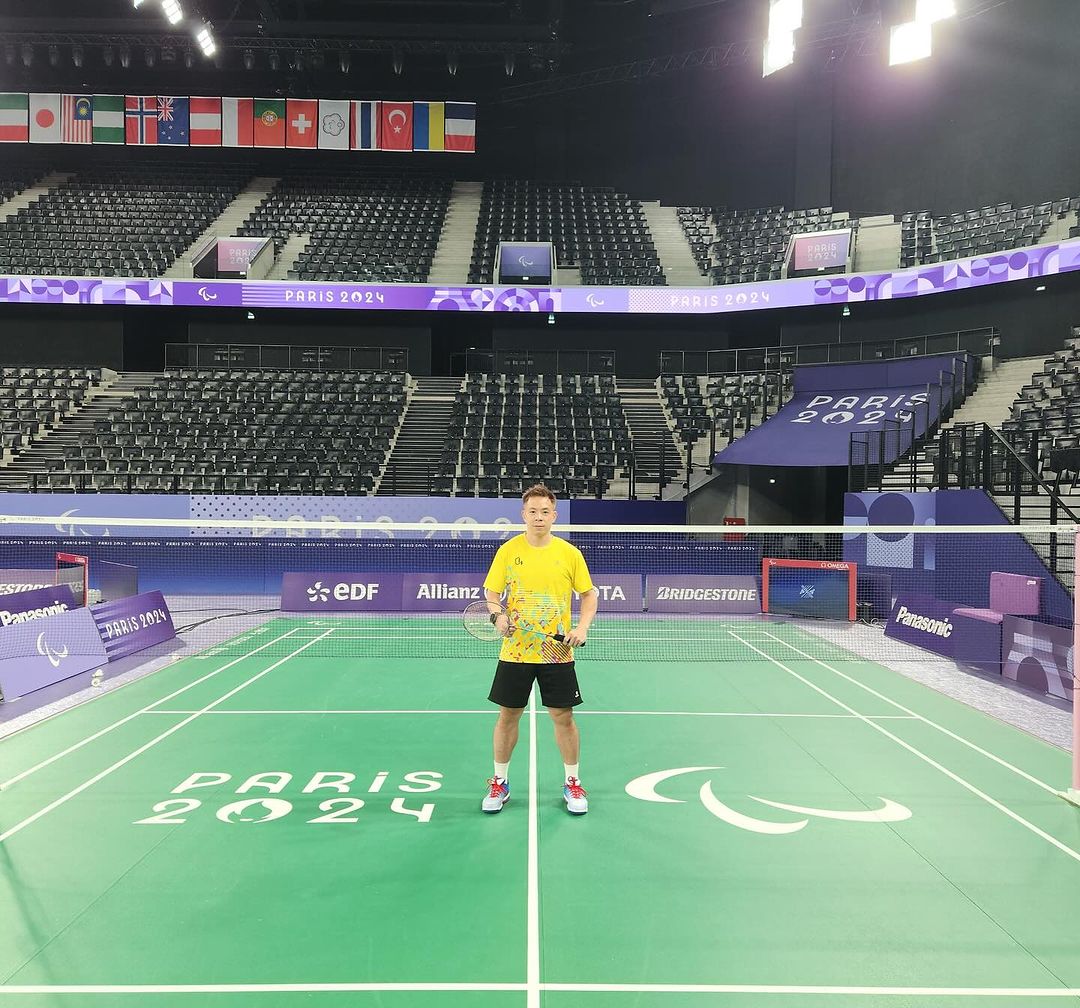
x=537, y=582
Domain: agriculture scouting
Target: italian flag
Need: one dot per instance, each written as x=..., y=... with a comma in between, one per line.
x=14, y=118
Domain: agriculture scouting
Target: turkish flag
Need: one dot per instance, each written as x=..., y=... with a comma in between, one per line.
x=396, y=126
x=301, y=123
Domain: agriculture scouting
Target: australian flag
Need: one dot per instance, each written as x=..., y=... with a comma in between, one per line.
x=173, y=120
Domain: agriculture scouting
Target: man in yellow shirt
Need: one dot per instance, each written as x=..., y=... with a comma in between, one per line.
x=537, y=572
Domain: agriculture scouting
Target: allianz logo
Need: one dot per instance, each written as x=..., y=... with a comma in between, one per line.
x=343, y=591
x=441, y=590
x=939, y=628
x=665, y=593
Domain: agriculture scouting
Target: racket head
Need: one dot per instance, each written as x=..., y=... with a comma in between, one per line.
x=477, y=620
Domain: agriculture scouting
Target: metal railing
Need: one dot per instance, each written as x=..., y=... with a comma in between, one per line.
x=273, y=356
x=532, y=362
x=981, y=342
x=891, y=449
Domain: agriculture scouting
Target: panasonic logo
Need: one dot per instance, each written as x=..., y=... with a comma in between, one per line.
x=439, y=590
x=10, y=618
x=664, y=593
x=939, y=628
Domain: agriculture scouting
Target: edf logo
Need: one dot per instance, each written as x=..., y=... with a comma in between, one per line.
x=355, y=591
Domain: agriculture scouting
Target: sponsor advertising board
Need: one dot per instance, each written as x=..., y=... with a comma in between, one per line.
x=24, y=606
x=700, y=593
x=44, y=651
x=934, y=625
x=130, y=624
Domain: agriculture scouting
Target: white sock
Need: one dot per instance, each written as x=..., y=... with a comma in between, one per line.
x=571, y=771
x=502, y=771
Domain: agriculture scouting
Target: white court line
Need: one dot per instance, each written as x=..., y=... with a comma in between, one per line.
x=577, y=713
x=154, y=741
x=532, y=963
x=933, y=724
x=1064, y=848
x=769, y=989
x=145, y=710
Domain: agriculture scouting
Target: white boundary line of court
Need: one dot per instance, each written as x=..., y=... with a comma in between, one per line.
x=1064, y=848
x=933, y=724
x=582, y=988
x=143, y=748
x=145, y=710
x=532, y=964
x=577, y=713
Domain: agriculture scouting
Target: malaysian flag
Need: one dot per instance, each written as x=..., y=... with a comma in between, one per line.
x=77, y=119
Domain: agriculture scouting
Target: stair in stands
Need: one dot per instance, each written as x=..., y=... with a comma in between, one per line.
x=294, y=247
x=228, y=222
x=46, y=454
x=650, y=433
x=455, y=248
x=420, y=442
x=673, y=249
x=27, y=196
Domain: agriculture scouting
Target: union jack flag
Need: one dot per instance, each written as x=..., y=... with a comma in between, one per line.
x=164, y=109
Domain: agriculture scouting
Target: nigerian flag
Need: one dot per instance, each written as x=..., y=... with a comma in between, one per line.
x=108, y=119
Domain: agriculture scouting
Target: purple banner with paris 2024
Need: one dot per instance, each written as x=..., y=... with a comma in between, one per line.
x=962, y=274
x=132, y=624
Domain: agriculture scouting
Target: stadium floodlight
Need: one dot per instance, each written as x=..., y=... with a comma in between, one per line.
x=206, y=41
x=779, y=53
x=785, y=16
x=930, y=11
x=137, y=3
x=910, y=42
x=172, y=11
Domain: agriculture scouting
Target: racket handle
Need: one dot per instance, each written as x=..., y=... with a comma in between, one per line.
x=561, y=638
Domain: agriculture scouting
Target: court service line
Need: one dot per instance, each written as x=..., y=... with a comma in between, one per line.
x=532, y=962
x=1064, y=848
x=143, y=748
x=145, y=710
x=933, y=724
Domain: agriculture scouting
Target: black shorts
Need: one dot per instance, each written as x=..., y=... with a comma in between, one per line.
x=513, y=683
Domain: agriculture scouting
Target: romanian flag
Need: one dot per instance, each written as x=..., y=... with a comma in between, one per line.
x=428, y=119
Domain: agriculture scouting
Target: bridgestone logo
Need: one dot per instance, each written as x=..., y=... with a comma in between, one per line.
x=939, y=628
x=11, y=588
x=8, y=618
x=706, y=594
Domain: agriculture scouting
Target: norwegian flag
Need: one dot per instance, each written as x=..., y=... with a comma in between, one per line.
x=141, y=119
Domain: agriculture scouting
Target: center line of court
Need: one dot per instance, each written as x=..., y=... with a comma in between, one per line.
x=532, y=967
x=154, y=741
x=1064, y=848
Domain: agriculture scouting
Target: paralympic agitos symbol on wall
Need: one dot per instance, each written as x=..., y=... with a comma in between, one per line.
x=644, y=789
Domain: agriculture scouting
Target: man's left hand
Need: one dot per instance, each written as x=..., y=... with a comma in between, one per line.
x=576, y=637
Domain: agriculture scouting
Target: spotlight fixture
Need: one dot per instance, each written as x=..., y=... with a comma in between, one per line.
x=108, y=55
x=189, y=58
x=206, y=40
x=398, y=62
x=150, y=55
x=274, y=59
x=137, y=3
x=452, y=63
x=910, y=42
x=172, y=11
x=249, y=59
x=344, y=62
x=54, y=55
x=785, y=16
x=125, y=57
x=317, y=60
x=508, y=64
x=10, y=55
x=779, y=53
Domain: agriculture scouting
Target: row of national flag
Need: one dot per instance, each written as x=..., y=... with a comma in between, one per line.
x=313, y=123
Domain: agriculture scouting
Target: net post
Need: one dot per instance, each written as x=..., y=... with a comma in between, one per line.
x=1073, y=793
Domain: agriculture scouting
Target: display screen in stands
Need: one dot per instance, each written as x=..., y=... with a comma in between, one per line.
x=531, y=262
x=826, y=251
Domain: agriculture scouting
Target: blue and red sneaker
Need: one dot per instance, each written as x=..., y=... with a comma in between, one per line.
x=497, y=796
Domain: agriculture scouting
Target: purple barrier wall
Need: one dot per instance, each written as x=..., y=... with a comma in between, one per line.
x=340, y=592
x=1039, y=656
x=962, y=274
x=43, y=652
x=131, y=624
x=934, y=625
x=956, y=568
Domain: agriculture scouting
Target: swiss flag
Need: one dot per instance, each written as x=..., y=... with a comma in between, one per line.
x=301, y=123
x=396, y=126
